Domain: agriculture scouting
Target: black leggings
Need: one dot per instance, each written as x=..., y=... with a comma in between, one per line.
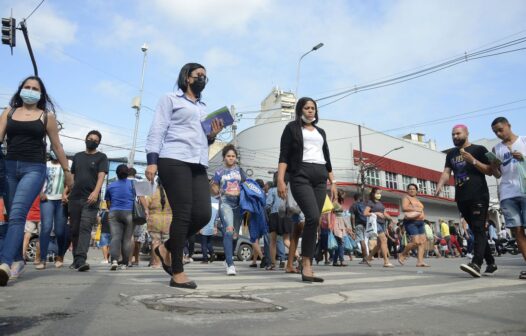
x=475, y=213
x=309, y=188
x=188, y=192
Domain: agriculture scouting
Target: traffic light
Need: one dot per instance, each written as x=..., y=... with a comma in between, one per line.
x=9, y=31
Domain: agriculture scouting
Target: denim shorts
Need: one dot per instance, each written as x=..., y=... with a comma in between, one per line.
x=514, y=210
x=105, y=239
x=380, y=228
x=414, y=227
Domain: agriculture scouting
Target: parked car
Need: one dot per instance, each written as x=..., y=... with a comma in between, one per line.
x=242, y=246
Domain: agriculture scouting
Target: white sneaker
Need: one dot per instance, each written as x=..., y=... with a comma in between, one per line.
x=17, y=268
x=469, y=256
x=114, y=265
x=123, y=267
x=104, y=262
x=231, y=270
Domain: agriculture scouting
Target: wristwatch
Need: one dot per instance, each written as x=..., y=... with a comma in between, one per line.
x=475, y=162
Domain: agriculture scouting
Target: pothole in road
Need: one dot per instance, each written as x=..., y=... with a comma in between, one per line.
x=204, y=304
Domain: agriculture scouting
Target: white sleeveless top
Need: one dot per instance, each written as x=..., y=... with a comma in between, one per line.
x=509, y=186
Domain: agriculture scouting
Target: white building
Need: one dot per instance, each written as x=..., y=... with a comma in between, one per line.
x=278, y=105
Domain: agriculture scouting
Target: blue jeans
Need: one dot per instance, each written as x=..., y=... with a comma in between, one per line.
x=338, y=252
x=206, y=247
x=280, y=247
x=3, y=231
x=24, y=182
x=230, y=215
x=52, y=218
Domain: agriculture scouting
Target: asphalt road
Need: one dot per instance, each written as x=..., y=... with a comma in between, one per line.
x=354, y=300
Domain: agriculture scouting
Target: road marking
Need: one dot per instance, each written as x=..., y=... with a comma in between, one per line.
x=385, y=294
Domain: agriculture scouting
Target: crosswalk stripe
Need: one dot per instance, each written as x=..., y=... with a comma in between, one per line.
x=385, y=294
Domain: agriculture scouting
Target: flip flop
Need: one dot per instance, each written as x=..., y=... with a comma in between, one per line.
x=388, y=265
x=296, y=271
x=401, y=261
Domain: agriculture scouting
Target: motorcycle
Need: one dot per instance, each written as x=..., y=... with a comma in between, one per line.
x=509, y=245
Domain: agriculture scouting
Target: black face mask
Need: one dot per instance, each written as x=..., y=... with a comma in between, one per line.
x=459, y=142
x=198, y=85
x=91, y=145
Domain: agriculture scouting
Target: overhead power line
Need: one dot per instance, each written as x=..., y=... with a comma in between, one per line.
x=34, y=10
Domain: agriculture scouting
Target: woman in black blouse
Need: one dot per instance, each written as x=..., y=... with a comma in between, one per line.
x=304, y=156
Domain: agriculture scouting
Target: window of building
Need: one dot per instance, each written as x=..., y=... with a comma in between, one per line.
x=406, y=180
x=372, y=177
x=432, y=188
x=422, y=187
x=446, y=192
x=390, y=180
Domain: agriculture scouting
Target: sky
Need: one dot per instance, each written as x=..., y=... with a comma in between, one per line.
x=89, y=56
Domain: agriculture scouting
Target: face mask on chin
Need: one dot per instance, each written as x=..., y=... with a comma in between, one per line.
x=307, y=121
x=377, y=197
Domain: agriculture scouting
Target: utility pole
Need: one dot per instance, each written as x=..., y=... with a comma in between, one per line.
x=26, y=37
x=234, y=125
x=361, y=164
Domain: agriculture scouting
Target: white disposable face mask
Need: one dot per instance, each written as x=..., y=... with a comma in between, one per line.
x=307, y=121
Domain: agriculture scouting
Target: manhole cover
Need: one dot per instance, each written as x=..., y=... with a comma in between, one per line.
x=203, y=304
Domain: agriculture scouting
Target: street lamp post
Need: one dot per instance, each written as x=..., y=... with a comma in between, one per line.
x=316, y=47
x=364, y=167
x=137, y=104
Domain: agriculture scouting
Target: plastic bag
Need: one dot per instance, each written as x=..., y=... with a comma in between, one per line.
x=292, y=207
x=347, y=244
x=332, y=244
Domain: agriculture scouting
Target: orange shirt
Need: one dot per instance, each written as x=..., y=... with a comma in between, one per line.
x=2, y=214
x=34, y=211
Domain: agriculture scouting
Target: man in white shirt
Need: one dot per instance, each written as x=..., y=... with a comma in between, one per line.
x=510, y=167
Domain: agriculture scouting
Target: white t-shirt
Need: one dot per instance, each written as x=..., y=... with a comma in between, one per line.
x=54, y=184
x=312, y=146
x=509, y=186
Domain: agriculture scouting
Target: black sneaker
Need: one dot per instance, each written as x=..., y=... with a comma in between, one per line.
x=490, y=270
x=73, y=266
x=83, y=268
x=472, y=269
x=281, y=264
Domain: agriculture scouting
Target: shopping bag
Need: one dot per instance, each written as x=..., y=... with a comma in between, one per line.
x=327, y=206
x=347, y=244
x=332, y=244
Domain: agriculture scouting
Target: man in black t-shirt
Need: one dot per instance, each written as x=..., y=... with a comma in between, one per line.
x=89, y=169
x=469, y=166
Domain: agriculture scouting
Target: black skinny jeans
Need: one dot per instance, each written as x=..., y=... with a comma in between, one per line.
x=475, y=213
x=188, y=192
x=309, y=188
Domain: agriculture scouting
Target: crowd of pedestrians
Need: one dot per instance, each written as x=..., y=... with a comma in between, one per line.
x=45, y=194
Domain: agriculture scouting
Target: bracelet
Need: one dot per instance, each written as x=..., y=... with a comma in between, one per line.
x=66, y=170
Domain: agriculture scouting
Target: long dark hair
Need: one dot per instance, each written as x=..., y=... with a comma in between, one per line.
x=186, y=70
x=45, y=103
x=371, y=194
x=299, y=110
x=161, y=192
